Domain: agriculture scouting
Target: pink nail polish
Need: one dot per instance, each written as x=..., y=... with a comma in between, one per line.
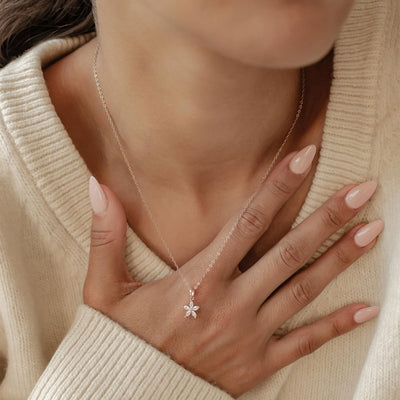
x=303, y=159
x=98, y=199
x=365, y=314
x=367, y=233
x=359, y=195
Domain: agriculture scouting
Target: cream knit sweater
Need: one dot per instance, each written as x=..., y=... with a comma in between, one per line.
x=52, y=346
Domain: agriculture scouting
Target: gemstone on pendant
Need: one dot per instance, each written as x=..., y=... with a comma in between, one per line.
x=191, y=310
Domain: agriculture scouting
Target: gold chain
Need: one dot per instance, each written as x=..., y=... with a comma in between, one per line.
x=191, y=308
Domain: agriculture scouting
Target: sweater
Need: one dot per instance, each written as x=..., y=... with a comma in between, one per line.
x=53, y=346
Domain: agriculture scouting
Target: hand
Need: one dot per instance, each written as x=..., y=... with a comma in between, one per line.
x=231, y=343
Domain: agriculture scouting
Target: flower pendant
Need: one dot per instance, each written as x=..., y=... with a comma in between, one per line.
x=191, y=310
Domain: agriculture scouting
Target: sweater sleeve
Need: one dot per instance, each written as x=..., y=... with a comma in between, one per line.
x=99, y=359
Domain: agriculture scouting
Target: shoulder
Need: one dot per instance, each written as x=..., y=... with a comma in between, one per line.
x=389, y=60
x=388, y=84
x=19, y=106
x=12, y=79
x=27, y=117
x=13, y=194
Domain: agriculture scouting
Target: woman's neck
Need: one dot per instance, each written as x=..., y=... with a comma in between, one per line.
x=198, y=117
x=170, y=162
x=202, y=119
x=190, y=119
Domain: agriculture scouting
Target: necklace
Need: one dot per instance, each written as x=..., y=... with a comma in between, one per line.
x=191, y=308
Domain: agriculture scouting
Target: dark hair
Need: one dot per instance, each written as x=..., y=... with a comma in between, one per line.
x=24, y=23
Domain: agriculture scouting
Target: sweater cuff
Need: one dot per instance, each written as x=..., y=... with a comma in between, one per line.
x=99, y=359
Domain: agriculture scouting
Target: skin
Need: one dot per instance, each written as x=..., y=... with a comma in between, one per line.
x=232, y=343
x=207, y=92
x=194, y=180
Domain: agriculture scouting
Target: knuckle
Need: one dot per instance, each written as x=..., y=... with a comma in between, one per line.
x=252, y=222
x=222, y=317
x=302, y=292
x=219, y=323
x=344, y=257
x=101, y=238
x=336, y=328
x=244, y=374
x=306, y=345
x=332, y=215
x=291, y=254
x=279, y=187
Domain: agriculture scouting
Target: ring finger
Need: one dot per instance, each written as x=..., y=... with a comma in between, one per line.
x=308, y=284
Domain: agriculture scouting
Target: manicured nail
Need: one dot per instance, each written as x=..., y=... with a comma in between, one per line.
x=97, y=197
x=360, y=194
x=303, y=159
x=367, y=233
x=365, y=314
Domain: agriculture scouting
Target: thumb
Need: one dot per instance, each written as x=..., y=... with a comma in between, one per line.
x=107, y=277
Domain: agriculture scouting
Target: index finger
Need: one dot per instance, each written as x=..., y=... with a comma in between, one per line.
x=241, y=232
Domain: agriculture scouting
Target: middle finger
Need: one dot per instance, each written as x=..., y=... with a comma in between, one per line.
x=299, y=244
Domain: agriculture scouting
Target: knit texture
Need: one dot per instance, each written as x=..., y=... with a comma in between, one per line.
x=52, y=346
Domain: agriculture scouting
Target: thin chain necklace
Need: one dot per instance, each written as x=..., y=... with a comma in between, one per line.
x=191, y=308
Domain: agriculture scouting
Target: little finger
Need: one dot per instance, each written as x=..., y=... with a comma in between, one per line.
x=305, y=340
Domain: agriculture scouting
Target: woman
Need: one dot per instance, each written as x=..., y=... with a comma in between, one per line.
x=204, y=96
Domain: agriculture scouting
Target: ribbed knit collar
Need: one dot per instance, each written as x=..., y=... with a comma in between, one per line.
x=62, y=176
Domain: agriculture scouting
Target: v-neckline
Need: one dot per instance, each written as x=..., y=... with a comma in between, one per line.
x=62, y=175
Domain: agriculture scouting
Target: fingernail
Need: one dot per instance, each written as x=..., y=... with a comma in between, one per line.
x=303, y=159
x=365, y=314
x=367, y=233
x=97, y=197
x=360, y=194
